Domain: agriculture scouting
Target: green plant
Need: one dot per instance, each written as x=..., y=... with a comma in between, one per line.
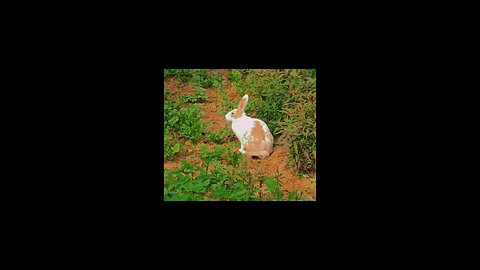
x=169, y=73
x=181, y=185
x=217, y=78
x=238, y=191
x=293, y=195
x=189, y=124
x=234, y=158
x=299, y=125
x=201, y=78
x=235, y=75
x=169, y=148
x=237, y=78
x=186, y=121
x=227, y=104
x=166, y=94
x=209, y=157
x=214, y=180
x=183, y=75
x=218, y=81
x=168, y=112
x=273, y=189
x=193, y=183
x=219, y=136
x=198, y=97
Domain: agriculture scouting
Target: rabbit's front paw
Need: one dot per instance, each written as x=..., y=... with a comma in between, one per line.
x=241, y=151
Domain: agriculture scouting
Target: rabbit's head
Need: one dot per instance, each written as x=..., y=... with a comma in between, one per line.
x=239, y=111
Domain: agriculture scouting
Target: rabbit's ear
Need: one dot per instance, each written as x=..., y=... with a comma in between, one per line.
x=242, y=105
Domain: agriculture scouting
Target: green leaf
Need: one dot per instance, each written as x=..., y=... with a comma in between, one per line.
x=292, y=195
x=240, y=192
x=180, y=197
x=187, y=165
x=176, y=148
x=173, y=120
x=280, y=195
x=203, y=178
x=272, y=184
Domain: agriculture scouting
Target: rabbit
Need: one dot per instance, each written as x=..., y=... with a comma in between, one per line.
x=254, y=136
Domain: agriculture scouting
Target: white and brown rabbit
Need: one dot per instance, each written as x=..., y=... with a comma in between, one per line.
x=254, y=135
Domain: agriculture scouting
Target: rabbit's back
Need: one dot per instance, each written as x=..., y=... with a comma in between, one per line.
x=259, y=140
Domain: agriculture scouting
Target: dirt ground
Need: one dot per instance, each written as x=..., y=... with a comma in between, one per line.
x=275, y=163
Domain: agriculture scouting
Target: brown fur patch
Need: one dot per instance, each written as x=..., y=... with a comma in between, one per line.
x=258, y=145
x=257, y=130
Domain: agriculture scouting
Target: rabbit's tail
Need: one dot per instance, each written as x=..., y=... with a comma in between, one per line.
x=264, y=154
